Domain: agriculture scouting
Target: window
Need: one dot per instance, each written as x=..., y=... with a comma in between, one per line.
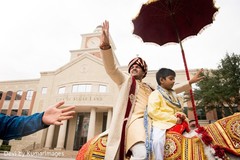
x=9, y=95
x=14, y=112
x=1, y=93
x=61, y=90
x=4, y=111
x=19, y=95
x=25, y=112
x=81, y=88
x=201, y=113
x=102, y=88
x=29, y=95
x=74, y=88
x=44, y=90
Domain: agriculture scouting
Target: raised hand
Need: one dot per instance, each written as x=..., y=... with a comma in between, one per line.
x=197, y=77
x=55, y=115
x=105, y=34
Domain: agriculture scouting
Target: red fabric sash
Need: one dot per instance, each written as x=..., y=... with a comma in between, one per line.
x=180, y=128
x=129, y=107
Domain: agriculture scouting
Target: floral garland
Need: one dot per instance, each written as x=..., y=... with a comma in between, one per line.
x=216, y=150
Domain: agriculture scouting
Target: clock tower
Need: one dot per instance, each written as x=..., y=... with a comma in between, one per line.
x=90, y=44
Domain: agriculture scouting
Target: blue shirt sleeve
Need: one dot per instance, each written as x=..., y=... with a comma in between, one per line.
x=18, y=126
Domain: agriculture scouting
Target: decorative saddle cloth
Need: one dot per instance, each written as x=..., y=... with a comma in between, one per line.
x=94, y=149
x=225, y=134
x=176, y=147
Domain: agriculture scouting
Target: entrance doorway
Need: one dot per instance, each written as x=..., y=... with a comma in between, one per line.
x=81, y=130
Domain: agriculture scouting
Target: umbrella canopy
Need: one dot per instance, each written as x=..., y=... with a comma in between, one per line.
x=165, y=21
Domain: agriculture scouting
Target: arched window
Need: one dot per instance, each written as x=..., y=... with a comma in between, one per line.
x=19, y=95
x=9, y=95
x=81, y=88
x=61, y=90
x=29, y=95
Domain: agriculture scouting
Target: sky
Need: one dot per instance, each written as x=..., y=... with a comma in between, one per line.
x=37, y=35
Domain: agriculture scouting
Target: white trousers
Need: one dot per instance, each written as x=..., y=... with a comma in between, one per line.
x=138, y=151
x=159, y=138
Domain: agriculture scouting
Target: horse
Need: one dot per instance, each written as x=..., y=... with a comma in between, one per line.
x=218, y=140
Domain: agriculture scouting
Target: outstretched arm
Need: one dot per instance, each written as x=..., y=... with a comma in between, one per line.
x=18, y=126
x=107, y=56
x=187, y=85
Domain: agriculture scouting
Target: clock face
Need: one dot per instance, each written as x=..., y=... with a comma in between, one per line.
x=93, y=42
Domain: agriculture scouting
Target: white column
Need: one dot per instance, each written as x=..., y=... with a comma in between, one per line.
x=61, y=136
x=109, y=117
x=92, y=123
x=49, y=139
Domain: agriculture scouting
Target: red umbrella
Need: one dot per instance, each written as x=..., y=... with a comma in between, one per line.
x=164, y=21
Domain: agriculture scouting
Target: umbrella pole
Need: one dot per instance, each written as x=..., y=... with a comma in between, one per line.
x=188, y=78
x=186, y=70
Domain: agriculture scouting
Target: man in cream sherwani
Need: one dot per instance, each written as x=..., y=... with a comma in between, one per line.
x=126, y=135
